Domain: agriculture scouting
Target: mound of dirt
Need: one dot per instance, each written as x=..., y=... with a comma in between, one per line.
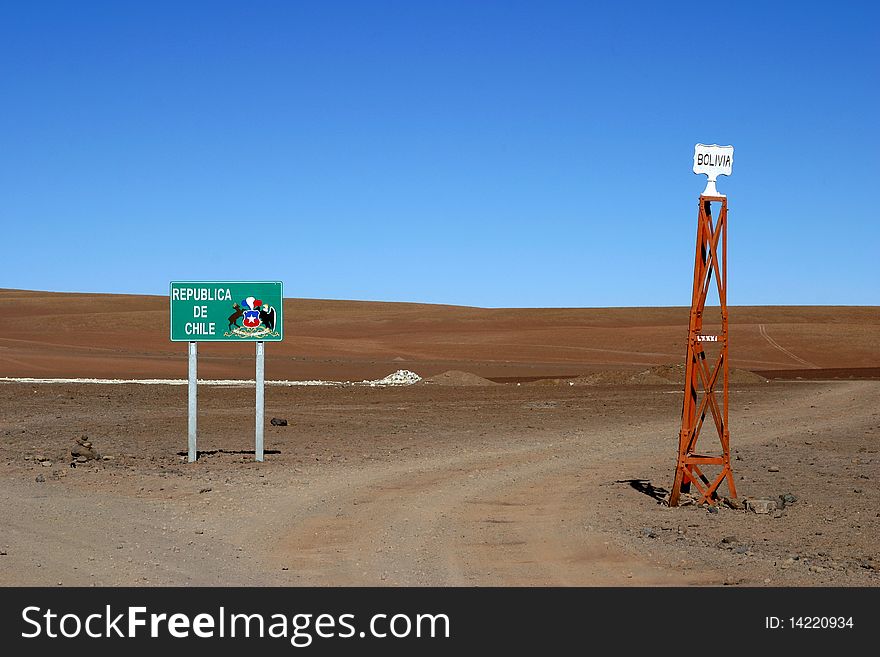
x=458, y=378
x=745, y=376
x=649, y=378
x=657, y=375
x=546, y=382
x=670, y=373
x=603, y=378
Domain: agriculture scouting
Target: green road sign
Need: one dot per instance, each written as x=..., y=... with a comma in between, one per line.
x=212, y=311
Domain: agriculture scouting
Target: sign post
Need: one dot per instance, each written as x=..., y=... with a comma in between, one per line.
x=192, y=405
x=706, y=362
x=213, y=311
x=259, y=415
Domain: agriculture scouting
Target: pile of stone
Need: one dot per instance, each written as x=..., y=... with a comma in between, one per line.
x=83, y=451
x=722, y=502
x=772, y=506
x=398, y=378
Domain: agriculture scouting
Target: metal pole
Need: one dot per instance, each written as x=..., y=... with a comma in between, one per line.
x=193, y=357
x=260, y=402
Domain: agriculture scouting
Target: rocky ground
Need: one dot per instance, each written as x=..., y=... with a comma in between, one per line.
x=431, y=484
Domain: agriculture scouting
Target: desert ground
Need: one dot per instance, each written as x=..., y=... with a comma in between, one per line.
x=536, y=451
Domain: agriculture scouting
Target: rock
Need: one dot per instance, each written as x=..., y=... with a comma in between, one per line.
x=46, y=464
x=204, y=490
x=86, y=452
x=741, y=549
x=278, y=422
x=780, y=502
x=777, y=514
x=538, y=405
x=761, y=506
x=647, y=532
x=40, y=457
x=107, y=457
x=712, y=509
x=686, y=498
x=81, y=459
x=789, y=498
x=773, y=468
x=733, y=503
x=726, y=543
x=40, y=479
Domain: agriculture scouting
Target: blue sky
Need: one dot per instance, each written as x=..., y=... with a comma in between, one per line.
x=478, y=153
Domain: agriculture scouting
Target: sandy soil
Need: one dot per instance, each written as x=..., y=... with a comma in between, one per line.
x=433, y=485
x=46, y=334
x=549, y=475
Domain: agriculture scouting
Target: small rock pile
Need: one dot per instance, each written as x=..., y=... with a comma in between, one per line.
x=398, y=378
x=722, y=502
x=772, y=506
x=83, y=451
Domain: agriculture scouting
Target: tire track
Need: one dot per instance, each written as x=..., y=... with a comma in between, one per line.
x=763, y=331
x=479, y=518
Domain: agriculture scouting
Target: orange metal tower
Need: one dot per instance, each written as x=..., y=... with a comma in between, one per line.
x=706, y=367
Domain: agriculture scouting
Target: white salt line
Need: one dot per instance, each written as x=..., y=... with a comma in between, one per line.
x=167, y=382
x=205, y=382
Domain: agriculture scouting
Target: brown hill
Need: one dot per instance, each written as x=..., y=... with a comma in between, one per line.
x=45, y=334
x=674, y=373
x=457, y=378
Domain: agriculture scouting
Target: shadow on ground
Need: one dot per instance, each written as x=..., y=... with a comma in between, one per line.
x=645, y=487
x=212, y=452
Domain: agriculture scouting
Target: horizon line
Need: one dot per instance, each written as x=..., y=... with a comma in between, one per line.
x=458, y=305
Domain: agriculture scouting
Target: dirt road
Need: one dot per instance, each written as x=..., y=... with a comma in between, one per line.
x=495, y=485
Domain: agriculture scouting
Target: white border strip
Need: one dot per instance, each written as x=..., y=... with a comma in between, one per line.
x=201, y=382
x=169, y=382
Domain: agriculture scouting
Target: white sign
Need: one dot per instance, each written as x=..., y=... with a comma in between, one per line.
x=713, y=160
